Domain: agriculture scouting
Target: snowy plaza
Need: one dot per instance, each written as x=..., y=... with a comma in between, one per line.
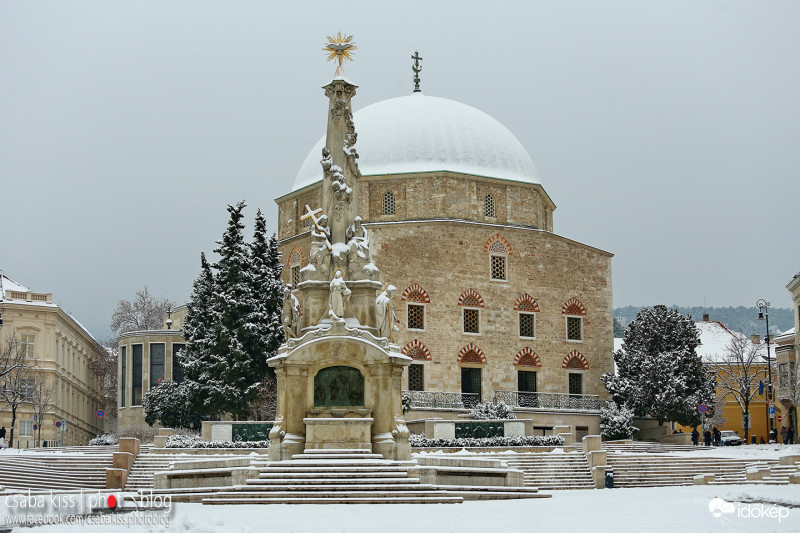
x=397, y=330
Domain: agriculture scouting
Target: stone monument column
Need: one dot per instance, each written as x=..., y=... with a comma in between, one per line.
x=340, y=181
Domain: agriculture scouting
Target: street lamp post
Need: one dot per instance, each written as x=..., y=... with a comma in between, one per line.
x=763, y=314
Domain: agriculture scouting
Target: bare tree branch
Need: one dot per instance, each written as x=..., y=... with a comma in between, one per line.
x=17, y=381
x=143, y=313
x=42, y=399
x=739, y=372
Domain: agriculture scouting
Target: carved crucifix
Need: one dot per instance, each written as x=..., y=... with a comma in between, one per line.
x=312, y=214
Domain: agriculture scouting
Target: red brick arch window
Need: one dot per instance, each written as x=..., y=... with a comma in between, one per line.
x=575, y=360
x=416, y=299
x=417, y=350
x=471, y=354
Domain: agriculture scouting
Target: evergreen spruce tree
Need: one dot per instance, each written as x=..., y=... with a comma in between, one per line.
x=233, y=325
x=264, y=320
x=658, y=370
x=235, y=371
x=200, y=331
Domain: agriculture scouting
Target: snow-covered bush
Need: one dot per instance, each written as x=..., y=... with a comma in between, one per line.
x=420, y=441
x=616, y=422
x=193, y=441
x=406, y=402
x=492, y=411
x=169, y=403
x=144, y=433
x=182, y=441
x=104, y=440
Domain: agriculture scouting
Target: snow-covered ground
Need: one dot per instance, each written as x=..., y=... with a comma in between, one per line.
x=669, y=509
x=729, y=509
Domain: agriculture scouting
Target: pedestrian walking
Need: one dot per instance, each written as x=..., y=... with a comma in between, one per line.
x=707, y=438
x=784, y=434
x=790, y=435
x=695, y=436
x=717, y=436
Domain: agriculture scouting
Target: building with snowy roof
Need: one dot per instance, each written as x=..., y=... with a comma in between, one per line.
x=492, y=303
x=60, y=349
x=717, y=353
x=787, y=353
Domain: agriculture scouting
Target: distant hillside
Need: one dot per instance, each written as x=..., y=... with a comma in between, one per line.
x=740, y=318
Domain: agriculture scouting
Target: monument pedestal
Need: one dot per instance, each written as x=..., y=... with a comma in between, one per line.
x=339, y=388
x=338, y=433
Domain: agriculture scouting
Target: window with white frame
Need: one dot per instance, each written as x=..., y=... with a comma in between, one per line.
x=26, y=428
x=416, y=316
x=28, y=343
x=472, y=321
x=575, y=328
x=527, y=325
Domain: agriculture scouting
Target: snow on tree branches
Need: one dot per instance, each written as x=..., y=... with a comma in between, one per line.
x=616, y=422
x=658, y=370
x=232, y=325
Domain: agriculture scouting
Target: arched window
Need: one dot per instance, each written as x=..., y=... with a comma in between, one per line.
x=388, y=203
x=526, y=308
x=574, y=311
x=488, y=206
x=472, y=303
x=417, y=299
x=499, y=249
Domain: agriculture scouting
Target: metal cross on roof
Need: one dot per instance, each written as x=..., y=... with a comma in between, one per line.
x=417, y=68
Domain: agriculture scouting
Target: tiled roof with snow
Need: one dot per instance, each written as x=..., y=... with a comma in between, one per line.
x=714, y=339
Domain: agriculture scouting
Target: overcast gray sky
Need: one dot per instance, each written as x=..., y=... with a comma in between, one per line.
x=666, y=132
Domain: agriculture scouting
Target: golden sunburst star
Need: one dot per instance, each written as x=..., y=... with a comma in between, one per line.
x=340, y=48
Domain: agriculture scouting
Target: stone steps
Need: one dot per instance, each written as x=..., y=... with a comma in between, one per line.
x=328, y=500
x=659, y=470
x=145, y=466
x=344, y=476
x=42, y=471
x=553, y=471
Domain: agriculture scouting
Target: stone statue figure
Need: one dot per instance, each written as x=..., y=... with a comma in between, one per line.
x=384, y=312
x=290, y=317
x=357, y=242
x=339, y=296
x=319, y=255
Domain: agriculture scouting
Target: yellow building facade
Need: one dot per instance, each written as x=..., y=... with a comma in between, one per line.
x=61, y=349
x=787, y=354
x=714, y=340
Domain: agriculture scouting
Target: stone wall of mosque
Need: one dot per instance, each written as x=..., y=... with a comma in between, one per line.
x=475, y=294
x=432, y=195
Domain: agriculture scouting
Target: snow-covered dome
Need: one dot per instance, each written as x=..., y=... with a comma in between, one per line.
x=420, y=133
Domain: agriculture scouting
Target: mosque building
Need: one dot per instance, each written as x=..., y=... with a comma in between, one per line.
x=491, y=302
